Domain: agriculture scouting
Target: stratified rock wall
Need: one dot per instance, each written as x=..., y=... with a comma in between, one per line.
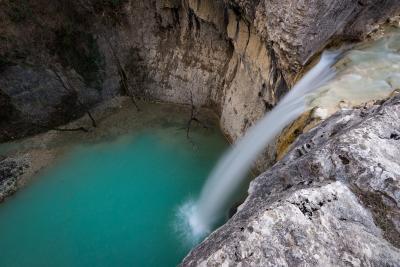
x=238, y=57
x=297, y=30
x=334, y=200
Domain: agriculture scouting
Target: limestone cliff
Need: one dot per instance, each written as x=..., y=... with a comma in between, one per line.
x=238, y=57
x=332, y=200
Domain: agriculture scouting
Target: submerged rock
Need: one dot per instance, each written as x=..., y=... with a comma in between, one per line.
x=334, y=199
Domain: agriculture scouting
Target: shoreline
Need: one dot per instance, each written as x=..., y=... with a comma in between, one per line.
x=25, y=159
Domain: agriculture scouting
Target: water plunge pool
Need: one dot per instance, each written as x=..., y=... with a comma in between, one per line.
x=113, y=201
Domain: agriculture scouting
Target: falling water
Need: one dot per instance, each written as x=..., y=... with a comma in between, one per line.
x=233, y=167
x=366, y=72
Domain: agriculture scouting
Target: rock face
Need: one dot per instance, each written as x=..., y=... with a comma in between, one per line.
x=235, y=56
x=334, y=200
x=37, y=99
x=298, y=30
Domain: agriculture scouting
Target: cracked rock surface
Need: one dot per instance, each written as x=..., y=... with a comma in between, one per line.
x=332, y=201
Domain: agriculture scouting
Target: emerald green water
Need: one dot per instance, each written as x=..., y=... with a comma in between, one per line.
x=109, y=203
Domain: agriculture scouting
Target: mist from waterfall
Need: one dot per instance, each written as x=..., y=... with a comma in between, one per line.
x=224, y=180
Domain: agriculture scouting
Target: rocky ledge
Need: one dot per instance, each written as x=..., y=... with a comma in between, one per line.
x=333, y=200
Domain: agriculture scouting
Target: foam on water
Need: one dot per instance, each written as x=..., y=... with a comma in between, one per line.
x=188, y=226
x=366, y=72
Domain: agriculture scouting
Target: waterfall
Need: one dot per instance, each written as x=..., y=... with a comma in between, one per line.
x=235, y=164
x=362, y=73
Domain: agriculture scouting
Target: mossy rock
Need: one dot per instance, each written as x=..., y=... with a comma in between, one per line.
x=301, y=125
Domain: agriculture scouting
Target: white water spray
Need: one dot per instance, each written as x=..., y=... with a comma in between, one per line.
x=233, y=167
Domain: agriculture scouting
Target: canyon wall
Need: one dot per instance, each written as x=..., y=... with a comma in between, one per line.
x=59, y=58
x=332, y=200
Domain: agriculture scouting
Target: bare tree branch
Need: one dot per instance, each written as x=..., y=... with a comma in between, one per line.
x=122, y=74
x=70, y=88
x=193, y=117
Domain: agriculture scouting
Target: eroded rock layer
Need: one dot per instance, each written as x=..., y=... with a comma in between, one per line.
x=61, y=57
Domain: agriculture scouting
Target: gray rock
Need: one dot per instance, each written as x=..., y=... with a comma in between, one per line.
x=332, y=201
x=35, y=99
x=298, y=30
x=35, y=92
x=236, y=56
x=11, y=171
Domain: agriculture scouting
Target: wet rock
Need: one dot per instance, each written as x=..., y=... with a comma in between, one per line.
x=335, y=203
